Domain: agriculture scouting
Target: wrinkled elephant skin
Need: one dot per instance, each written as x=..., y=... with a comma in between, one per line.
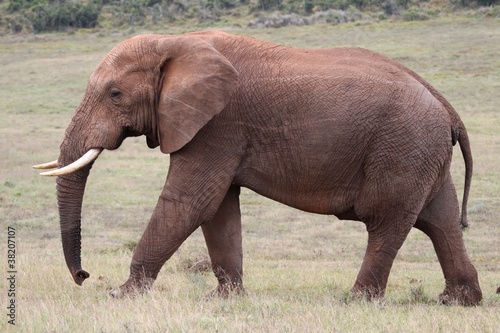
x=342, y=131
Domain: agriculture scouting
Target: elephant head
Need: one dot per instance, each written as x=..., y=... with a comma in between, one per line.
x=164, y=87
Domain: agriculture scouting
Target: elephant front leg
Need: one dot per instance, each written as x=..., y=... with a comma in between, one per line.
x=223, y=237
x=171, y=223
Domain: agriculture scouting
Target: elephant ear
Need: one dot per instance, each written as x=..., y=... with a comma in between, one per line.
x=197, y=83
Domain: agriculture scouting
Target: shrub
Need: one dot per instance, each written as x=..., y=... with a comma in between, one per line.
x=493, y=11
x=19, y=5
x=18, y=23
x=55, y=16
x=488, y=3
x=474, y=3
x=270, y=4
x=390, y=7
x=418, y=14
x=331, y=16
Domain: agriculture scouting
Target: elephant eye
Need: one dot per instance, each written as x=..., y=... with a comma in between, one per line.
x=115, y=95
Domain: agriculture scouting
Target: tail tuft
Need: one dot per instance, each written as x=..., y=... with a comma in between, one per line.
x=463, y=223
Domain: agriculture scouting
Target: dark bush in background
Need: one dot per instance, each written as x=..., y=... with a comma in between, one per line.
x=52, y=15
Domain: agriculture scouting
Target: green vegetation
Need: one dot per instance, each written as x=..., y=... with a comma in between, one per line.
x=55, y=15
x=298, y=267
x=49, y=15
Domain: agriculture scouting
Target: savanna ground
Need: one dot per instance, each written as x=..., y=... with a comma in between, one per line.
x=298, y=267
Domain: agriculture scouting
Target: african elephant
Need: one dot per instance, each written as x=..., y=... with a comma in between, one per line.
x=342, y=131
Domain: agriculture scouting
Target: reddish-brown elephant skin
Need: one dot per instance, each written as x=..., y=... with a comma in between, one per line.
x=341, y=131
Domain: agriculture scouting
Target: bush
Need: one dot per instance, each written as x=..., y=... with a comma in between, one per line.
x=18, y=23
x=314, y=6
x=331, y=16
x=418, y=14
x=222, y=4
x=270, y=4
x=493, y=11
x=51, y=17
x=390, y=7
x=488, y=3
x=474, y=3
x=19, y=5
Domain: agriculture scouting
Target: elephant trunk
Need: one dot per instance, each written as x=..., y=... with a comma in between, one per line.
x=70, y=190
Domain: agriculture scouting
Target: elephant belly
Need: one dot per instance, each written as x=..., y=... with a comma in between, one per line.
x=337, y=200
x=314, y=184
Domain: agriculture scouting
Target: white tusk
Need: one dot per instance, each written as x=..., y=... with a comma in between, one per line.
x=87, y=158
x=49, y=165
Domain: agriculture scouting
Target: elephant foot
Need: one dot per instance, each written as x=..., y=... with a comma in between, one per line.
x=226, y=290
x=461, y=295
x=367, y=292
x=133, y=288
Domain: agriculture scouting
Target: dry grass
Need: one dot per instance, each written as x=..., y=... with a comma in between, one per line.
x=298, y=267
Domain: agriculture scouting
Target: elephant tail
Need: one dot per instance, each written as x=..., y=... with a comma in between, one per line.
x=458, y=134
x=463, y=139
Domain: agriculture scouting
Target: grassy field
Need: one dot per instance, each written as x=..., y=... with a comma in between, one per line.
x=298, y=267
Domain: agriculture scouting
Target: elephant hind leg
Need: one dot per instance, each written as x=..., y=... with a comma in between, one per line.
x=389, y=213
x=383, y=245
x=440, y=221
x=224, y=242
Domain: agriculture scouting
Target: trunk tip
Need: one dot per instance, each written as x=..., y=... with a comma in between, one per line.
x=79, y=276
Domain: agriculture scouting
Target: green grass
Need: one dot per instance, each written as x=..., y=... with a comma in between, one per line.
x=299, y=267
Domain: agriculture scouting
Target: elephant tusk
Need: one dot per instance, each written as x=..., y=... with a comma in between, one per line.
x=49, y=165
x=87, y=158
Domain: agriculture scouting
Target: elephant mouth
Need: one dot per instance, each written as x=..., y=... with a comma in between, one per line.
x=87, y=158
